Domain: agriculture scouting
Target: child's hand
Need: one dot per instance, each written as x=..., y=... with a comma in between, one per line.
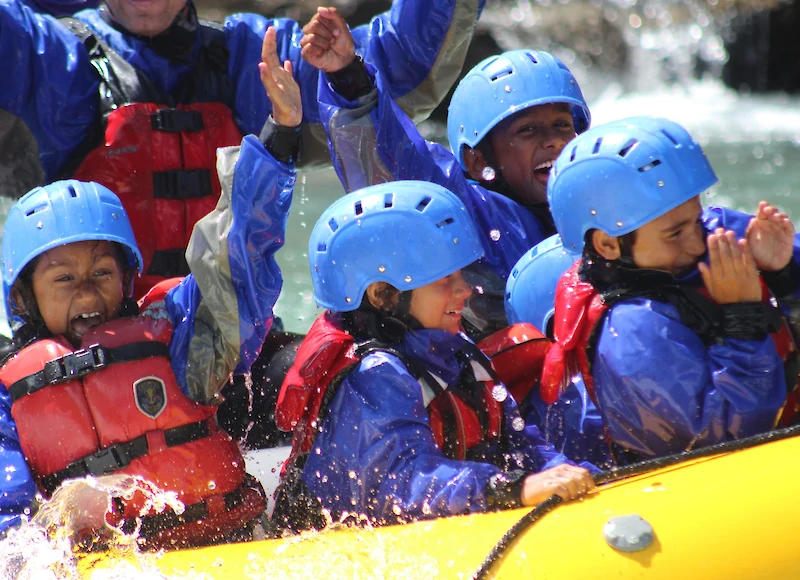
x=566, y=481
x=731, y=274
x=771, y=237
x=282, y=89
x=327, y=42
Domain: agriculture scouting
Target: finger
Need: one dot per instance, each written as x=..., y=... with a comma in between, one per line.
x=712, y=243
x=748, y=262
x=335, y=20
x=320, y=26
x=315, y=40
x=725, y=259
x=287, y=66
x=762, y=205
x=266, y=78
x=705, y=273
x=269, y=50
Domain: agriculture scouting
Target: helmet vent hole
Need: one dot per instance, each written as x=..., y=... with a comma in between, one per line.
x=322, y=247
x=596, y=147
x=35, y=210
x=388, y=200
x=72, y=192
x=649, y=166
x=358, y=208
x=445, y=222
x=572, y=154
x=628, y=148
x=333, y=225
x=423, y=203
x=502, y=74
x=670, y=137
x=533, y=58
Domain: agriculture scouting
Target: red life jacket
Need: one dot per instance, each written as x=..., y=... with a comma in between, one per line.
x=579, y=311
x=157, y=152
x=328, y=353
x=114, y=406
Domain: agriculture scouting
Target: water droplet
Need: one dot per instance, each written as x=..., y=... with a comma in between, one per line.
x=397, y=510
x=488, y=173
x=593, y=212
x=518, y=424
x=660, y=183
x=455, y=240
x=495, y=235
x=212, y=485
x=351, y=474
x=407, y=278
x=381, y=268
x=39, y=225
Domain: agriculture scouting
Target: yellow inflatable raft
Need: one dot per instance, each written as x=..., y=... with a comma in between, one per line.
x=729, y=512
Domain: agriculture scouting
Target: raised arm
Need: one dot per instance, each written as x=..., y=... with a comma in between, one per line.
x=420, y=46
x=235, y=280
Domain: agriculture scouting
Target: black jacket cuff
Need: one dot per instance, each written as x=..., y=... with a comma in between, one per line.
x=785, y=281
x=283, y=143
x=750, y=320
x=353, y=81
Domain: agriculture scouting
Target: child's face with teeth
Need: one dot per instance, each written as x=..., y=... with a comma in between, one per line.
x=526, y=144
x=78, y=286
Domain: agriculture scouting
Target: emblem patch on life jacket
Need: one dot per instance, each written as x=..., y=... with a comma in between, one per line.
x=150, y=395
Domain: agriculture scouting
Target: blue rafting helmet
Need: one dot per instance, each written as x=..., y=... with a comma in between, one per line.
x=619, y=176
x=531, y=286
x=406, y=233
x=61, y=213
x=502, y=85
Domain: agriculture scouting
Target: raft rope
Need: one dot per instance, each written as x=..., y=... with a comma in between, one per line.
x=617, y=473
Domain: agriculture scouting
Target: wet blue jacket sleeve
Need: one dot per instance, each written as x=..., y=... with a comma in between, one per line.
x=573, y=424
x=54, y=89
x=17, y=487
x=224, y=309
x=661, y=390
x=376, y=454
x=372, y=141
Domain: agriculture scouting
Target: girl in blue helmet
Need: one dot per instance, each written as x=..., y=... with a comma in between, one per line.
x=668, y=315
x=101, y=385
x=396, y=415
x=572, y=424
x=509, y=118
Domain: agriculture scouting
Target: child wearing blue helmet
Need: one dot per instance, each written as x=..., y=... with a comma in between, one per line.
x=669, y=314
x=100, y=385
x=508, y=120
x=572, y=424
x=396, y=415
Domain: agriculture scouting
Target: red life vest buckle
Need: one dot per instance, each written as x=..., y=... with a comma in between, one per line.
x=107, y=460
x=81, y=362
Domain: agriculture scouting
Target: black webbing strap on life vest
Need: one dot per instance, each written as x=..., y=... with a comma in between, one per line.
x=169, y=263
x=82, y=362
x=120, y=455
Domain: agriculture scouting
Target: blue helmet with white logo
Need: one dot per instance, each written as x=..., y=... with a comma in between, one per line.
x=531, y=286
x=502, y=85
x=621, y=175
x=405, y=233
x=61, y=213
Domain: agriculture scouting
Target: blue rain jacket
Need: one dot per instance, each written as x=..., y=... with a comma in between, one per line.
x=419, y=44
x=221, y=313
x=373, y=141
x=376, y=455
x=661, y=390
x=573, y=424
